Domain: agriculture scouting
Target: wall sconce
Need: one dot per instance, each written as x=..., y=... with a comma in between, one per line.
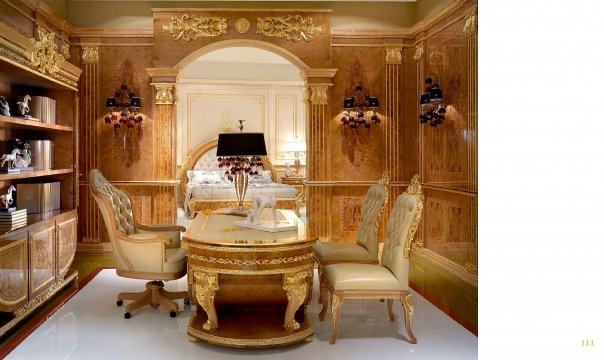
x=123, y=108
x=356, y=108
x=431, y=107
x=298, y=149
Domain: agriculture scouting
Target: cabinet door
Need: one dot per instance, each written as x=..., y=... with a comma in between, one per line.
x=41, y=259
x=66, y=245
x=13, y=272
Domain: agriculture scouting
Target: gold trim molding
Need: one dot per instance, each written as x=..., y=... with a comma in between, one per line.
x=394, y=55
x=164, y=93
x=291, y=27
x=191, y=27
x=45, y=55
x=419, y=52
x=90, y=54
x=318, y=94
x=277, y=261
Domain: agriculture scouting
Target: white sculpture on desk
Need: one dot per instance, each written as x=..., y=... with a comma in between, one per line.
x=259, y=202
x=7, y=199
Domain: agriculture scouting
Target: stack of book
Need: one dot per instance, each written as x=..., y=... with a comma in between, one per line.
x=12, y=220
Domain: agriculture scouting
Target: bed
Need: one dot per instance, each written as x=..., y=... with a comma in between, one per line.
x=204, y=187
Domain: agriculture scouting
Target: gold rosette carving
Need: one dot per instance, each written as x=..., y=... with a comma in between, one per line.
x=291, y=27
x=190, y=27
x=45, y=54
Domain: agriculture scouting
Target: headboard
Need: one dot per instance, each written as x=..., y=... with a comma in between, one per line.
x=204, y=158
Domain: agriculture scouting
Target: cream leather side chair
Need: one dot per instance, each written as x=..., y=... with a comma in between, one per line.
x=148, y=252
x=365, y=249
x=388, y=280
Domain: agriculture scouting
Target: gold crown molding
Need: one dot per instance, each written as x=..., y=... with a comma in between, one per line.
x=113, y=33
x=190, y=27
x=164, y=93
x=90, y=54
x=45, y=55
x=291, y=27
x=370, y=33
x=318, y=73
x=242, y=25
x=318, y=94
x=237, y=10
x=394, y=55
x=471, y=24
x=163, y=73
x=419, y=52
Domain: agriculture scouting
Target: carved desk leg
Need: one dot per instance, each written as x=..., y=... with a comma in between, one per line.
x=296, y=288
x=206, y=285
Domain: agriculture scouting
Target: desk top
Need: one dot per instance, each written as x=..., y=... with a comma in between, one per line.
x=218, y=229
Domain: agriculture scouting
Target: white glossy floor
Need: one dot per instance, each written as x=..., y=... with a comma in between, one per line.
x=91, y=326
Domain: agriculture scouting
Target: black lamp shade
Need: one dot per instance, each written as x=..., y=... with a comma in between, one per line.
x=374, y=102
x=135, y=102
x=241, y=144
x=349, y=103
x=111, y=103
x=435, y=92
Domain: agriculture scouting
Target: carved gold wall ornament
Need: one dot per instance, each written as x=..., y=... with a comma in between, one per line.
x=242, y=25
x=419, y=52
x=164, y=94
x=45, y=54
x=206, y=286
x=471, y=25
x=291, y=27
x=394, y=55
x=190, y=27
x=90, y=54
x=65, y=51
x=318, y=94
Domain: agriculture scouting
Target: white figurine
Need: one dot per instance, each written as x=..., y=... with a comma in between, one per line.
x=10, y=158
x=259, y=202
x=23, y=159
x=23, y=105
x=7, y=199
x=288, y=170
x=4, y=108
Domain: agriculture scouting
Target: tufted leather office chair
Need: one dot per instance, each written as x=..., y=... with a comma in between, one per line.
x=388, y=280
x=149, y=252
x=365, y=249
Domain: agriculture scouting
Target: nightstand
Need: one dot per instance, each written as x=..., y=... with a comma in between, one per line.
x=298, y=183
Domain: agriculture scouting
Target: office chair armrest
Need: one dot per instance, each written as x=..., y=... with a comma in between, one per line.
x=144, y=238
x=161, y=227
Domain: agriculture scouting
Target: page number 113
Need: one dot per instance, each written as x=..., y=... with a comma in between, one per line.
x=587, y=342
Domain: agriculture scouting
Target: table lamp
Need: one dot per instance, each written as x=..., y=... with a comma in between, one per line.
x=239, y=157
x=298, y=149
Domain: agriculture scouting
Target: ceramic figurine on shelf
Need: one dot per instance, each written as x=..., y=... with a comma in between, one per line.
x=23, y=158
x=4, y=108
x=288, y=170
x=7, y=199
x=24, y=106
x=259, y=202
x=10, y=158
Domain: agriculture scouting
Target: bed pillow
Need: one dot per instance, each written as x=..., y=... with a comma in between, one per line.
x=204, y=177
x=263, y=177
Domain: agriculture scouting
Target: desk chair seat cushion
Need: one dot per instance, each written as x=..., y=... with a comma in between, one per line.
x=327, y=253
x=361, y=277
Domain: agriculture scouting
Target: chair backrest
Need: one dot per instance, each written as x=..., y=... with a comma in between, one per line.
x=116, y=209
x=372, y=211
x=402, y=225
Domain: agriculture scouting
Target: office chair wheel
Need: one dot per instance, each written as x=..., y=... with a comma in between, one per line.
x=187, y=301
x=172, y=313
x=127, y=315
x=120, y=302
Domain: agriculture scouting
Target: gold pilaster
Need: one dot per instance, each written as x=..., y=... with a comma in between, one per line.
x=165, y=127
x=88, y=142
x=393, y=133
x=470, y=30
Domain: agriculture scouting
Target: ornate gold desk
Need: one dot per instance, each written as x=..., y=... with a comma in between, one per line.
x=249, y=285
